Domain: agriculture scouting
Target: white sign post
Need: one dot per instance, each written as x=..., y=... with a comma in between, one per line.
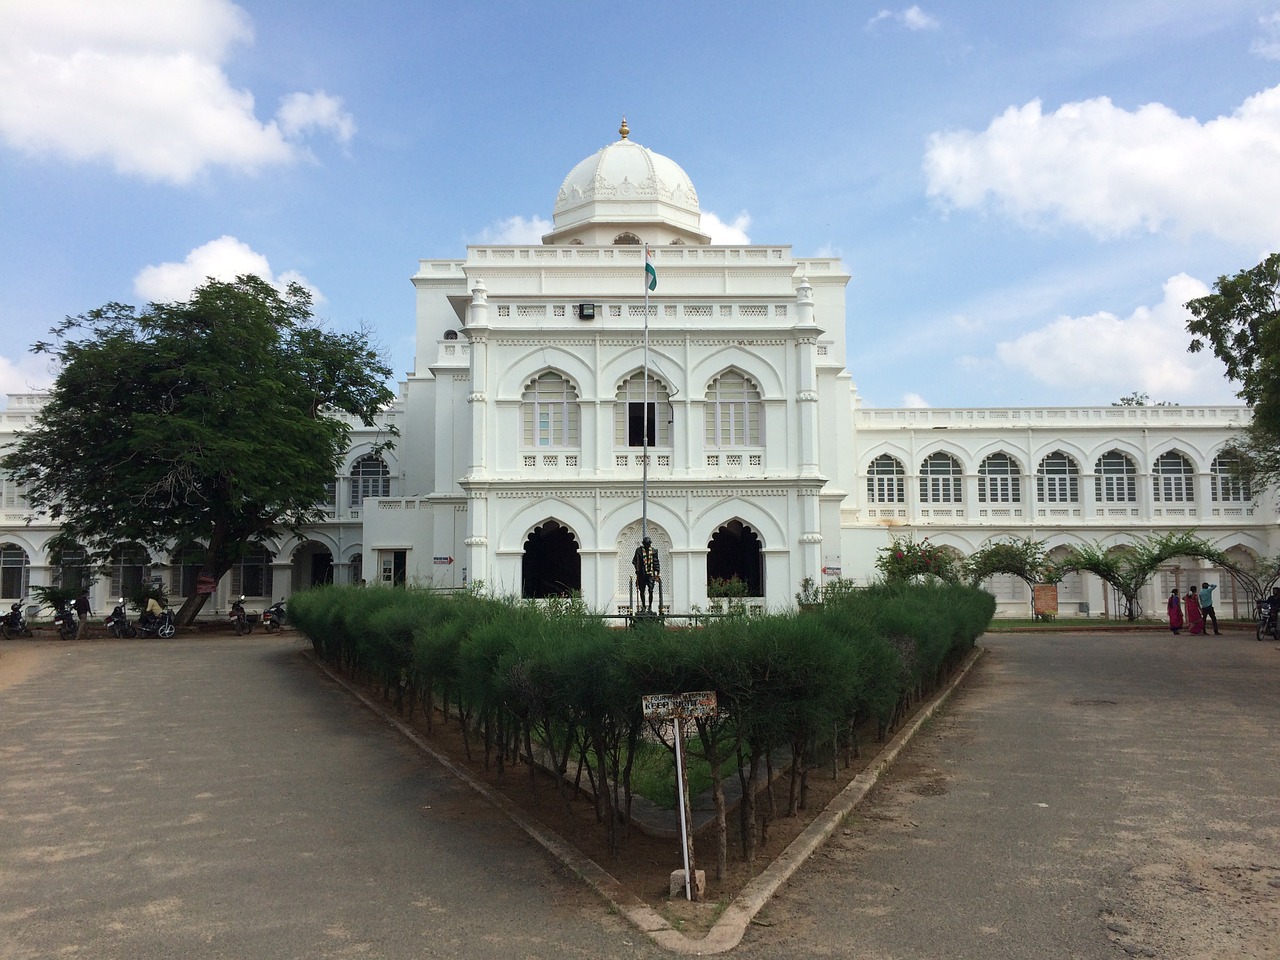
x=678, y=707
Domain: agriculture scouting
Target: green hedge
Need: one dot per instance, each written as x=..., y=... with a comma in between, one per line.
x=555, y=680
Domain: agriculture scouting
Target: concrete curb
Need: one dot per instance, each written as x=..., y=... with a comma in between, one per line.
x=728, y=930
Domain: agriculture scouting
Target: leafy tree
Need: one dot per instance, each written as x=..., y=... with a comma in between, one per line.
x=1130, y=567
x=904, y=560
x=1241, y=323
x=1134, y=399
x=217, y=420
x=1024, y=558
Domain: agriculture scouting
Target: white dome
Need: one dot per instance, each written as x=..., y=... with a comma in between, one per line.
x=623, y=183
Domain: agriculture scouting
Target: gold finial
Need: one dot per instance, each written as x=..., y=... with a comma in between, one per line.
x=624, y=129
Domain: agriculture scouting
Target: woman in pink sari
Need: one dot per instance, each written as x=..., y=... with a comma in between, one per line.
x=1175, y=612
x=1195, y=619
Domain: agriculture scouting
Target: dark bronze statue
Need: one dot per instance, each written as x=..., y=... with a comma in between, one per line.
x=648, y=571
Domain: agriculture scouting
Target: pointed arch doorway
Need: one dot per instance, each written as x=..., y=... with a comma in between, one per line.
x=735, y=551
x=551, y=566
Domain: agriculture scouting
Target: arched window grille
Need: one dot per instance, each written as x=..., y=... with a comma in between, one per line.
x=999, y=480
x=551, y=414
x=1058, y=479
x=886, y=480
x=733, y=411
x=633, y=416
x=941, y=480
x=1173, y=479
x=369, y=478
x=1225, y=483
x=1115, y=479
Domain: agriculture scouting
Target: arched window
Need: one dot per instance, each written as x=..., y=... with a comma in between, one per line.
x=251, y=575
x=1058, y=479
x=1225, y=483
x=626, y=240
x=999, y=480
x=886, y=480
x=1173, y=479
x=451, y=334
x=733, y=411
x=1115, y=479
x=941, y=480
x=369, y=478
x=12, y=494
x=184, y=567
x=15, y=572
x=550, y=411
x=638, y=411
x=128, y=563
x=71, y=567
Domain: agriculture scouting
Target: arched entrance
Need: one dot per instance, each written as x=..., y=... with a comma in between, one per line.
x=312, y=566
x=551, y=566
x=735, y=551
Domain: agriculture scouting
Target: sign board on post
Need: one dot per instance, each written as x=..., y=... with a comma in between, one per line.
x=678, y=707
x=205, y=586
x=668, y=706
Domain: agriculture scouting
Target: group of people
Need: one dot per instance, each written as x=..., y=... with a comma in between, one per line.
x=1199, y=604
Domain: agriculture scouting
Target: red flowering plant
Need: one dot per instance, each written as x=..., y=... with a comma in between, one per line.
x=904, y=560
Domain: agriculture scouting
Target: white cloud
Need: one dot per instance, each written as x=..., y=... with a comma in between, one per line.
x=28, y=374
x=913, y=401
x=300, y=113
x=140, y=84
x=1114, y=171
x=729, y=234
x=516, y=230
x=913, y=18
x=1105, y=355
x=1267, y=46
x=223, y=259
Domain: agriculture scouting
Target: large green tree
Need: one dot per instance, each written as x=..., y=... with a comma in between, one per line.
x=218, y=420
x=1241, y=323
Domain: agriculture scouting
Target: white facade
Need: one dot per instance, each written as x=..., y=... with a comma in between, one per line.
x=521, y=457
x=517, y=422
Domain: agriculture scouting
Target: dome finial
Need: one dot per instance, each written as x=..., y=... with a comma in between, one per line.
x=624, y=129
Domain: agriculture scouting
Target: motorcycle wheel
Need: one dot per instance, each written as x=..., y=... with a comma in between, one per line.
x=270, y=628
x=66, y=632
x=130, y=630
x=167, y=630
x=4, y=631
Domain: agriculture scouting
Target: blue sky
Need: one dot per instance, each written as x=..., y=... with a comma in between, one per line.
x=1024, y=193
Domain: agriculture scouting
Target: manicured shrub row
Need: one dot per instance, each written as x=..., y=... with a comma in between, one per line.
x=553, y=681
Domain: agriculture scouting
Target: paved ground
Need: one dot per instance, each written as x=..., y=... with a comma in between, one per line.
x=219, y=798
x=1083, y=797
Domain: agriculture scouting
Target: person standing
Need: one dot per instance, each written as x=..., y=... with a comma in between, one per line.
x=1175, y=612
x=1206, y=607
x=1195, y=619
x=81, y=607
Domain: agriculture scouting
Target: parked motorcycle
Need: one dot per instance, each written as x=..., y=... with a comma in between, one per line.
x=1266, y=620
x=273, y=617
x=118, y=624
x=163, y=626
x=240, y=619
x=14, y=624
x=64, y=621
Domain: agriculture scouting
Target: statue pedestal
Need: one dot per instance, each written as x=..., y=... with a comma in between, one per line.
x=646, y=617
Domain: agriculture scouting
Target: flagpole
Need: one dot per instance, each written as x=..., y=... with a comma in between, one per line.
x=644, y=481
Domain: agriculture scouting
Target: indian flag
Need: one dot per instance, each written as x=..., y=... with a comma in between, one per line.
x=650, y=274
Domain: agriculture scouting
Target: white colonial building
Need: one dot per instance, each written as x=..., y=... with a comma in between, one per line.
x=557, y=407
